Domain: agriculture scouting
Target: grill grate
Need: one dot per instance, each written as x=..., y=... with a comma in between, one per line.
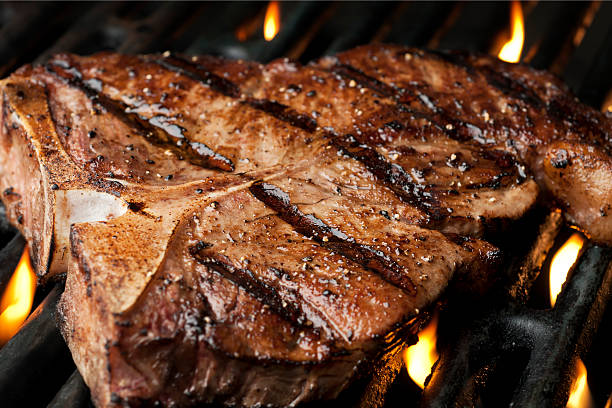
x=506, y=337
x=574, y=40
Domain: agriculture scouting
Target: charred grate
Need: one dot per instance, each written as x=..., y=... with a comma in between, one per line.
x=574, y=40
x=537, y=346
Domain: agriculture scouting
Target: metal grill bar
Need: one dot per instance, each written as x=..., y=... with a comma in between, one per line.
x=36, y=356
x=417, y=22
x=588, y=72
x=27, y=29
x=218, y=35
x=7, y=231
x=72, y=394
x=475, y=28
x=352, y=23
x=548, y=337
x=544, y=26
x=121, y=27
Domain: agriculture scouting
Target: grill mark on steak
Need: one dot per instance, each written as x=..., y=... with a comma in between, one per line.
x=198, y=73
x=560, y=109
x=508, y=86
x=515, y=89
x=350, y=72
x=508, y=166
x=284, y=113
x=227, y=88
x=454, y=128
x=331, y=238
x=156, y=133
x=493, y=184
x=246, y=280
x=392, y=175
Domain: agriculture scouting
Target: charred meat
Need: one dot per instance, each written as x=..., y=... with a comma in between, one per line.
x=254, y=234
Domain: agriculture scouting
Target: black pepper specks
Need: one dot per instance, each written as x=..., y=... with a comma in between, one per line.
x=394, y=125
x=561, y=159
x=91, y=134
x=54, y=186
x=200, y=245
x=133, y=206
x=293, y=88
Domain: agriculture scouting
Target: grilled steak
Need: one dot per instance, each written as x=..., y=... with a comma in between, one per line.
x=253, y=235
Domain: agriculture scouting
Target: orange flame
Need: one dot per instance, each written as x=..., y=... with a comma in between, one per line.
x=420, y=357
x=17, y=299
x=272, y=21
x=561, y=264
x=580, y=396
x=511, y=51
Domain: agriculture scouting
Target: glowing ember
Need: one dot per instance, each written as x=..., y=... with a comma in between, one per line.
x=17, y=299
x=580, y=396
x=511, y=51
x=561, y=264
x=241, y=34
x=420, y=357
x=272, y=21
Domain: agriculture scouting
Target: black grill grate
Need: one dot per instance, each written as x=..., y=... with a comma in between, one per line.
x=538, y=344
x=574, y=40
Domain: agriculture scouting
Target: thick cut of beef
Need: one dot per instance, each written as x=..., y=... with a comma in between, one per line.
x=254, y=235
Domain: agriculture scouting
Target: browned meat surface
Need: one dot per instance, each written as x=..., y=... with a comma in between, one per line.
x=254, y=235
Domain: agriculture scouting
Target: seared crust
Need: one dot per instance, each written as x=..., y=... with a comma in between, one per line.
x=528, y=113
x=251, y=234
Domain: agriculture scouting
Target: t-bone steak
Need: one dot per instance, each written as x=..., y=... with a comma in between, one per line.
x=253, y=234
